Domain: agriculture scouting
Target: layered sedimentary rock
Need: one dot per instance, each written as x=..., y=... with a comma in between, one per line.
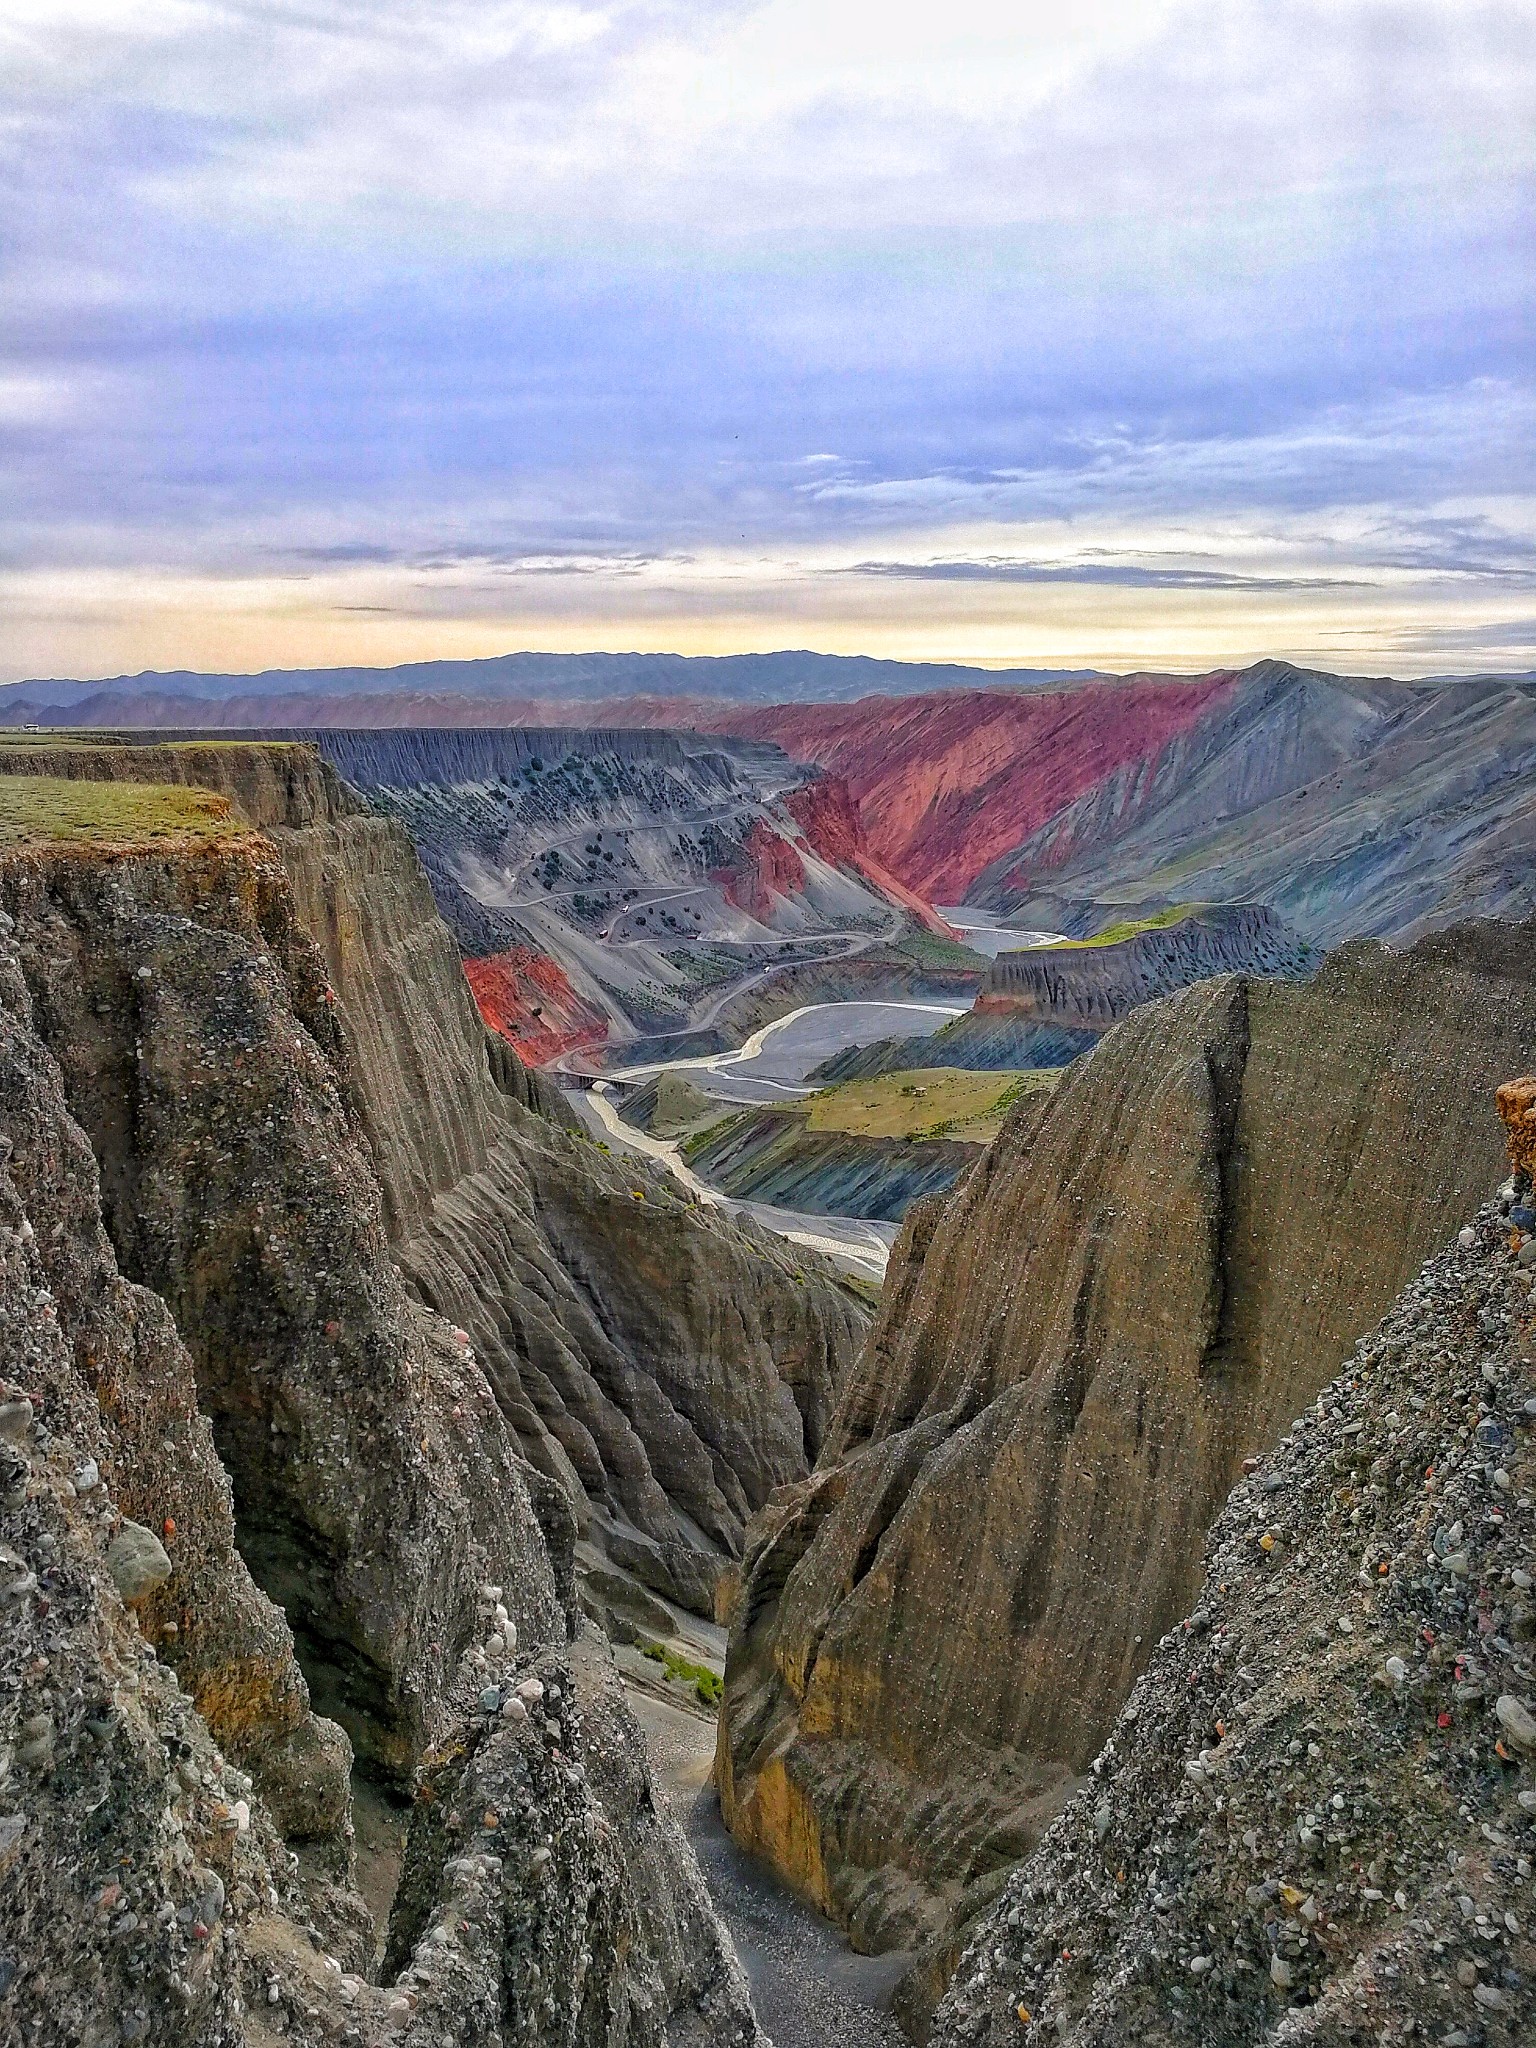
x=1145, y=1277
x=662, y=1368
x=1093, y=984
x=1044, y=1005
x=177, y=1103
x=1315, y=1818
x=1352, y=806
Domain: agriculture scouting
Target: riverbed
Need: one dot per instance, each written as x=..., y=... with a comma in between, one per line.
x=772, y=1067
x=809, y=1988
x=773, y=1063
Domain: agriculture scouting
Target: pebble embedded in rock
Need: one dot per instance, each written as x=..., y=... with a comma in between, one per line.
x=1516, y=1720
x=137, y=1561
x=15, y=1419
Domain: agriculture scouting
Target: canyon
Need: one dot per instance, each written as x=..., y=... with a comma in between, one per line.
x=368, y=1411
x=269, y=1510
x=1151, y=1269
x=1351, y=806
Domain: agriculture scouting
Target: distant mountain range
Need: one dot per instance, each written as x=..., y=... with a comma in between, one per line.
x=280, y=696
x=1351, y=805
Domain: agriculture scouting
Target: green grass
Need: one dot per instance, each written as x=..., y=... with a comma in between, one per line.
x=44, y=810
x=925, y=1102
x=1130, y=928
x=707, y=1685
x=929, y=950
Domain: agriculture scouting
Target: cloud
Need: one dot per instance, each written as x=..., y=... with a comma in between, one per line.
x=488, y=292
x=1122, y=575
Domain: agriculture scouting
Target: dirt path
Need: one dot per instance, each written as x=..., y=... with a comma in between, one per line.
x=810, y=1989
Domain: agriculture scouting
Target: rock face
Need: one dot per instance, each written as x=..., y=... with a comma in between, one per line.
x=663, y=1368
x=1315, y=1820
x=1350, y=806
x=183, y=1095
x=1147, y=1274
x=190, y=1018
x=768, y=1155
x=949, y=783
x=1043, y=1006
x=1089, y=986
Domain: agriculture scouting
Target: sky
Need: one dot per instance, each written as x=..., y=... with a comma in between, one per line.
x=1128, y=333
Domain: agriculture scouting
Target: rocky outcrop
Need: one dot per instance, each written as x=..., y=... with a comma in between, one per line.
x=768, y=1155
x=1089, y=985
x=1146, y=1275
x=177, y=1101
x=573, y=1909
x=1315, y=1818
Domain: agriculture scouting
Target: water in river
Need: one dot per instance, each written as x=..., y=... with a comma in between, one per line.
x=771, y=1067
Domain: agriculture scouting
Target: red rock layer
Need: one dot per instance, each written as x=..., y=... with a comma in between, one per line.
x=770, y=867
x=528, y=998
x=947, y=783
x=828, y=816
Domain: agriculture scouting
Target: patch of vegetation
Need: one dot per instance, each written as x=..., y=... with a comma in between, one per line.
x=925, y=1103
x=44, y=809
x=929, y=950
x=1130, y=928
x=708, y=1685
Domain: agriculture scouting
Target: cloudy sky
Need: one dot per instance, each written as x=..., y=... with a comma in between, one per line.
x=1120, y=332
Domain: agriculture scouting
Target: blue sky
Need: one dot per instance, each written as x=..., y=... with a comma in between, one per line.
x=365, y=330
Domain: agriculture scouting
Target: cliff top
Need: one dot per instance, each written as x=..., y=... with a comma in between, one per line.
x=45, y=810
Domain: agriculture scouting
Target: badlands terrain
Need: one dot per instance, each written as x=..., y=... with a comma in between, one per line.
x=485, y=1557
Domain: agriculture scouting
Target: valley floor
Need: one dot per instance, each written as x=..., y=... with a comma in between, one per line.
x=809, y=1988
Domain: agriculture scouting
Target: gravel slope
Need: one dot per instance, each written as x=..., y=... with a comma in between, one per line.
x=1316, y=1818
x=809, y=1988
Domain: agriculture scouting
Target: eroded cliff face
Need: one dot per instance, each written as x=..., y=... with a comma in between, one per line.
x=376, y=1483
x=1315, y=1818
x=1144, y=1278
x=178, y=1104
x=662, y=1369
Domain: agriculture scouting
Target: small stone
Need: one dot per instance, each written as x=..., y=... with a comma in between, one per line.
x=1466, y=1237
x=490, y=1700
x=1198, y=1965
x=15, y=1419
x=88, y=1477
x=137, y=1561
x=1466, y=1973
x=1280, y=1973
x=1516, y=1721
x=514, y=1711
x=1488, y=1995
x=1396, y=1670
x=530, y=1692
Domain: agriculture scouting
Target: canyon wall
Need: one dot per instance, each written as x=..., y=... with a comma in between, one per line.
x=663, y=1369
x=1143, y=1279
x=1313, y=1819
x=275, y=1411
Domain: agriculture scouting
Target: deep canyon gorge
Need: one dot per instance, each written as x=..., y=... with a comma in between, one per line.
x=1124, y=1614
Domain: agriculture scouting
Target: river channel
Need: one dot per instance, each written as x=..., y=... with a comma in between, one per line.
x=772, y=1067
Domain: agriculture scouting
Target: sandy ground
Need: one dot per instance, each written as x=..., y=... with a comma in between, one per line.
x=810, y=1989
